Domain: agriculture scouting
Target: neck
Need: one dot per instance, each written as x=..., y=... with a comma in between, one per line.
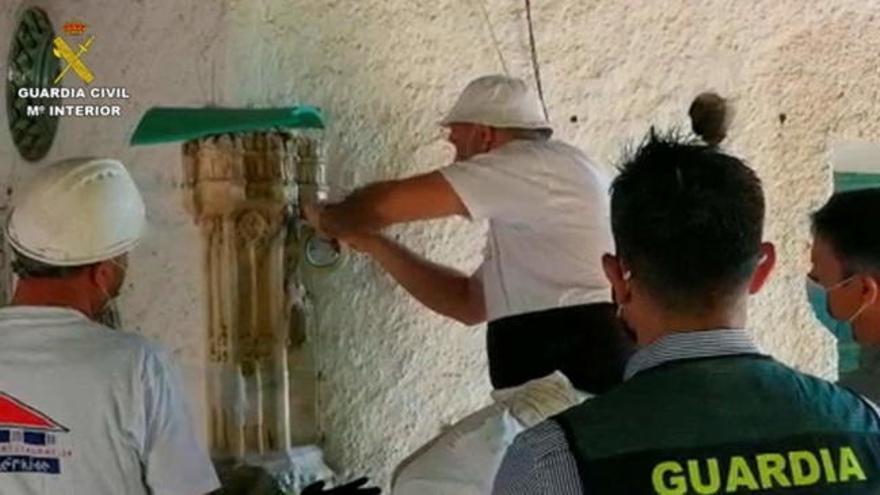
x=500, y=138
x=867, y=327
x=55, y=292
x=663, y=323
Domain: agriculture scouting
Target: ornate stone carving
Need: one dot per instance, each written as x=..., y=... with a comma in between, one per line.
x=242, y=191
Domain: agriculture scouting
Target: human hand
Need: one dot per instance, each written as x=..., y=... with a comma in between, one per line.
x=327, y=220
x=355, y=487
x=312, y=213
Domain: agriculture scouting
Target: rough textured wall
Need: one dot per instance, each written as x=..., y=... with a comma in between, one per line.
x=390, y=373
x=802, y=73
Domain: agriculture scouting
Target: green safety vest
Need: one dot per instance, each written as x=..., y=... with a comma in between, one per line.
x=733, y=424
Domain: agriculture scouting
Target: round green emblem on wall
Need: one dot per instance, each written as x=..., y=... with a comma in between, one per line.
x=31, y=65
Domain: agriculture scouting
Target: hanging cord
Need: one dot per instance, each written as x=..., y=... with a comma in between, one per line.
x=535, y=58
x=495, y=42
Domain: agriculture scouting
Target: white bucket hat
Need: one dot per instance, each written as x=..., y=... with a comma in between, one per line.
x=78, y=212
x=498, y=101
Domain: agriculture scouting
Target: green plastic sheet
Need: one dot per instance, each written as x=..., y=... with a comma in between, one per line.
x=166, y=125
x=848, y=181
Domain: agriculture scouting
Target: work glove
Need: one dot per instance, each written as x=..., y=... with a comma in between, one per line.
x=355, y=487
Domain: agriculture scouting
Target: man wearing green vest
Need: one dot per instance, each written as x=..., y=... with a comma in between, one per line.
x=702, y=409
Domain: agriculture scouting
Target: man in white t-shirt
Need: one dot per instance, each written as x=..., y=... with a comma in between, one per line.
x=85, y=409
x=541, y=286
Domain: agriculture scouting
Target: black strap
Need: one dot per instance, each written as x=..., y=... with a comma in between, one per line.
x=586, y=343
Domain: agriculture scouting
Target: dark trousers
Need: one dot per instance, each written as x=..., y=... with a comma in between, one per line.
x=587, y=343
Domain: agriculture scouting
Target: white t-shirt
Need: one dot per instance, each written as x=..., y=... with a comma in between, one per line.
x=549, y=225
x=87, y=410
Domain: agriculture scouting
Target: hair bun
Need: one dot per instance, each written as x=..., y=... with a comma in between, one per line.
x=710, y=117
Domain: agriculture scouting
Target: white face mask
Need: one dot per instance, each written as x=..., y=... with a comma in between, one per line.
x=109, y=314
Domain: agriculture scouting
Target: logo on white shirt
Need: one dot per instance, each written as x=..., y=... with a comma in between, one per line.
x=28, y=439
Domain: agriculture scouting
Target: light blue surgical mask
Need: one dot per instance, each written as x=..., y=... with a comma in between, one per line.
x=847, y=347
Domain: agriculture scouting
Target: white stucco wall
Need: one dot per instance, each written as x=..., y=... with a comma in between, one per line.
x=392, y=373
x=862, y=157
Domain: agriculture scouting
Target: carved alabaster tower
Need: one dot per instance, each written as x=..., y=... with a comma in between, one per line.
x=243, y=190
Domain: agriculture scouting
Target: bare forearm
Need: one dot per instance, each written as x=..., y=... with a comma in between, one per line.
x=361, y=210
x=442, y=289
x=379, y=205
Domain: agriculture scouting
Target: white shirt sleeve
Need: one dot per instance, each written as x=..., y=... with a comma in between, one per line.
x=497, y=185
x=174, y=461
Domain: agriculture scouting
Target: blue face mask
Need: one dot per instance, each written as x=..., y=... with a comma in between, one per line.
x=847, y=347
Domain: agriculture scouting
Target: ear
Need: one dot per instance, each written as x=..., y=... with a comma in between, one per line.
x=487, y=137
x=870, y=289
x=764, y=268
x=616, y=275
x=103, y=275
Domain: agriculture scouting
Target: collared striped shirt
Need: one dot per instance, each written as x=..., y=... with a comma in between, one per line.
x=539, y=460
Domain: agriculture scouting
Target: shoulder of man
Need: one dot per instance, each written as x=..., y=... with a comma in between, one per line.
x=134, y=346
x=538, y=461
x=543, y=440
x=579, y=162
x=836, y=400
x=126, y=338
x=535, y=155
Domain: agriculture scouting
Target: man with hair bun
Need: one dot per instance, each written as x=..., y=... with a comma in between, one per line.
x=702, y=409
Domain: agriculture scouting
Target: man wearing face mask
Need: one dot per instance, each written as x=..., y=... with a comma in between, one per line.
x=540, y=286
x=702, y=409
x=844, y=284
x=83, y=408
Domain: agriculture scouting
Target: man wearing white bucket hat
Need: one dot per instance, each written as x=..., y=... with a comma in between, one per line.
x=83, y=408
x=540, y=287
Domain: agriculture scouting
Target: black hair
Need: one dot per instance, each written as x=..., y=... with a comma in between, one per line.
x=687, y=220
x=846, y=222
x=710, y=117
x=25, y=268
